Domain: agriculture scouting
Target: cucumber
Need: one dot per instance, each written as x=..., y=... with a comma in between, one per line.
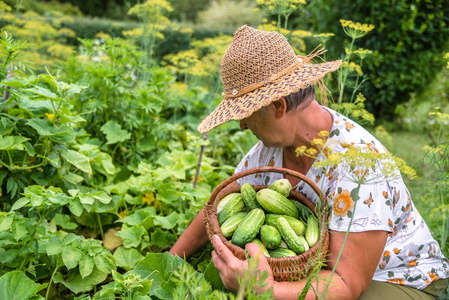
x=270, y=236
x=281, y=252
x=230, y=225
x=296, y=243
x=312, y=231
x=298, y=226
x=249, y=227
x=275, y=203
x=232, y=207
x=249, y=196
x=282, y=186
x=225, y=200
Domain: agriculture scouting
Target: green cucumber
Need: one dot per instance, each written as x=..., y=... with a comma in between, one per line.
x=298, y=226
x=294, y=242
x=282, y=186
x=312, y=231
x=249, y=196
x=232, y=207
x=275, y=203
x=270, y=236
x=281, y=252
x=249, y=227
x=231, y=224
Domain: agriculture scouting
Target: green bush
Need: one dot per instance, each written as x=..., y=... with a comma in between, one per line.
x=408, y=44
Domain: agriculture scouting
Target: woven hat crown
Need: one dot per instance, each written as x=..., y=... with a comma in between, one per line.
x=253, y=57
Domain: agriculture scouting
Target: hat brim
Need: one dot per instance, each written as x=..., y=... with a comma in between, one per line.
x=242, y=107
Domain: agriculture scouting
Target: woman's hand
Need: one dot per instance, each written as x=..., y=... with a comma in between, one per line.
x=229, y=266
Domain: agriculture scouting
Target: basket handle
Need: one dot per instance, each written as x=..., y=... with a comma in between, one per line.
x=267, y=169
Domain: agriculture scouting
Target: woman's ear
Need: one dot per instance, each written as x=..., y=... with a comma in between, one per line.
x=280, y=107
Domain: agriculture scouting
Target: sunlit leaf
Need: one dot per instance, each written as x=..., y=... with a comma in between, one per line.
x=114, y=132
x=71, y=256
x=79, y=160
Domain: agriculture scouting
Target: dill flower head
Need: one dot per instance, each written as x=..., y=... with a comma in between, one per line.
x=355, y=30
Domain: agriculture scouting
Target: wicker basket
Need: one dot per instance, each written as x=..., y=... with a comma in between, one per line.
x=284, y=268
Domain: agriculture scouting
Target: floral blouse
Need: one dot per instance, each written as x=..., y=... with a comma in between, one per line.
x=411, y=256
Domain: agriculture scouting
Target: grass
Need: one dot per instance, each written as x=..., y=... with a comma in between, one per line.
x=409, y=146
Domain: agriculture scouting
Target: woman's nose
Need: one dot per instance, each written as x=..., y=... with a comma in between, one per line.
x=243, y=124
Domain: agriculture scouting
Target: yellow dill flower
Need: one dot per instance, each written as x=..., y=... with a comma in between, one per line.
x=67, y=32
x=362, y=53
x=323, y=37
x=4, y=7
x=318, y=142
x=301, y=150
x=103, y=35
x=355, y=30
x=323, y=133
x=353, y=67
x=60, y=51
x=50, y=116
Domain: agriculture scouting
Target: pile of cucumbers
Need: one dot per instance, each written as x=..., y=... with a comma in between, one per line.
x=281, y=227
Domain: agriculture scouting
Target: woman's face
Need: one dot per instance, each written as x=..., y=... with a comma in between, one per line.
x=265, y=126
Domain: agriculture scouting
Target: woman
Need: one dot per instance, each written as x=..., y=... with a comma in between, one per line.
x=389, y=251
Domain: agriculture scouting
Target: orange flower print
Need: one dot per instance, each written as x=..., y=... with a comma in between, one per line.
x=385, y=194
x=349, y=125
x=396, y=281
x=271, y=163
x=246, y=163
x=258, y=175
x=343, y=203
x=412, y=263
x=394, y=229
x=433, y=276
x=369, y=201
x=336, y=122
x=317, y=179
x=396, y=251
x=372, y=147
x=385, y=259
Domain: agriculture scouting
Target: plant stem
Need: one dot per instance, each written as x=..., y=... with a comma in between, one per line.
x=343, y=245
x=51, y=280
x=100, y=225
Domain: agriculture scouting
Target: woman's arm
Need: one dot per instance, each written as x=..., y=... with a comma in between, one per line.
x=192, y=239
x=354, y=271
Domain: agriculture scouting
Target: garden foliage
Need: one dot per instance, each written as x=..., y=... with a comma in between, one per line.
x=408, y=35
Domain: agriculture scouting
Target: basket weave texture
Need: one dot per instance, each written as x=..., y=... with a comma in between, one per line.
x=283, y=268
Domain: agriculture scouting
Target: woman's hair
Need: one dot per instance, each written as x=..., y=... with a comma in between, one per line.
x=300, y=97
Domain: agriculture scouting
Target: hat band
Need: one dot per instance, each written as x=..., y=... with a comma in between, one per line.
x=273, y=79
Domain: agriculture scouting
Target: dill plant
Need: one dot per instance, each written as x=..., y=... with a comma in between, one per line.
x=359, y=165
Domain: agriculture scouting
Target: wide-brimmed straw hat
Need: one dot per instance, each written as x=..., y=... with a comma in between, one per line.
x=260, y=67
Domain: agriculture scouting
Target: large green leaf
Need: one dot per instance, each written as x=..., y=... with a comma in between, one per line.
x=15, y=285
x=167, y=222
x=43, y=92
x=79, y=160
x=131, y=236
x=78, y=284
x=12, y=142
x=87, y=265
x=114, y=132
x=71, y=256
x=63, y=134
x=127, y=258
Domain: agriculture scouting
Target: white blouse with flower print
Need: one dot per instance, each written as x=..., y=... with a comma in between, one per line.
x=411, y=256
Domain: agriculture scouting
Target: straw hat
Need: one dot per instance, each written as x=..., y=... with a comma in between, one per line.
x=260, y=67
